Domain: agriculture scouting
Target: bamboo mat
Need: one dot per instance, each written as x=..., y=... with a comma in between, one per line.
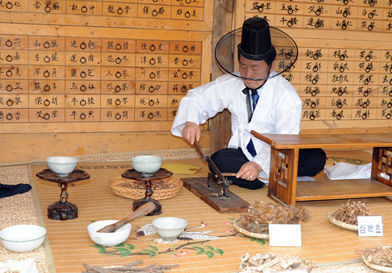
x=70, y=245
x=20, y=210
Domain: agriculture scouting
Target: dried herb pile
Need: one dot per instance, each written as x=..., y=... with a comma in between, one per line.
x=260, y=215
x=348, y=212
x=381, y=255
x=129, y=268
x=141, y=185
x=270, y=262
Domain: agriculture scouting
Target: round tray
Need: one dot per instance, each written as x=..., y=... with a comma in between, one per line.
x=239, y=228
x=117, y=186
x=376, y=267
x=342, y=224
x=160, y=174
x=76, y=175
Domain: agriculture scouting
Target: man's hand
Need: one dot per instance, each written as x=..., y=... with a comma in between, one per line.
x=191, y=132
x=249, y=171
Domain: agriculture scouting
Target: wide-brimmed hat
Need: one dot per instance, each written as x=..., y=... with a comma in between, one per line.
x=257, y=41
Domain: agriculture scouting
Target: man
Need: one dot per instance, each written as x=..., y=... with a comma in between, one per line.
x=257, y=97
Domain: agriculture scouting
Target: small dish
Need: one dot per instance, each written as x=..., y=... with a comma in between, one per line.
x=22, y=238
x=169, y=228
x=108, y=239
x=62, y=165
x=147, y=164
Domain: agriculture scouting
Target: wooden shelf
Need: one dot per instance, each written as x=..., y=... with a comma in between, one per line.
x=341, y=189
x=284, y=187
x=358, y=141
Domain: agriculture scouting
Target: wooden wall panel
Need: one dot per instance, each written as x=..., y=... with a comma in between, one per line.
x=98, y=71
x=22, y=148
x=343, y=72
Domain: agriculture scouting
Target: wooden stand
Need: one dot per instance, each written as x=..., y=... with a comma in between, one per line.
x=198, y=186
x=284, y=188
x=148, y=179
x=63, y=210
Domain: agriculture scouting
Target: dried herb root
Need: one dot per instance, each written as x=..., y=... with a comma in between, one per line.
x=129, y=268
x=260, y=215
x=348, y=212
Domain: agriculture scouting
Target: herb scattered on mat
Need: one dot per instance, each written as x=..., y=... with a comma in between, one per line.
x=129, y=268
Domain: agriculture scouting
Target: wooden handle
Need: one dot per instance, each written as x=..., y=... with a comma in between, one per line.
x=141, y=211
x=199, y=149
x=234, y=174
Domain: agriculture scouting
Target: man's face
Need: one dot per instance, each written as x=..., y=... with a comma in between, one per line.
x=253, y=70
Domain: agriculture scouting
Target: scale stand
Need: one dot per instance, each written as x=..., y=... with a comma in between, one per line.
x=148, y=180
x=63, y=210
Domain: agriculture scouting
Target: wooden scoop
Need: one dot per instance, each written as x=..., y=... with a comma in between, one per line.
x=141, y=211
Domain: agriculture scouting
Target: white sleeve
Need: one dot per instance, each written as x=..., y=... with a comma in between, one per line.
x=202, y=103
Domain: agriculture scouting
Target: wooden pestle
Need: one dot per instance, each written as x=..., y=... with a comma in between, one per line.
x=141, y=211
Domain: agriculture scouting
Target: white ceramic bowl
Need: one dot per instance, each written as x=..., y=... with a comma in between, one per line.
x=62, y=165
x=169, y=228
x=108, y=239
x=22, y=238
x=146, y=163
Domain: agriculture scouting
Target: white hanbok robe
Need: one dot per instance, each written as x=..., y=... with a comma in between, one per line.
x=278, y=111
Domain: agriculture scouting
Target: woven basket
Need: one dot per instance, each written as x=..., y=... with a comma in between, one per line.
x=239, y=228
x=118, y=184
x=341, y=224
x=375, y=266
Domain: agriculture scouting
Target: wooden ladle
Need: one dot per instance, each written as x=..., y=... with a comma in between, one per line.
x=141, y=211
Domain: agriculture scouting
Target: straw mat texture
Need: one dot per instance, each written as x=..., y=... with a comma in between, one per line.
x=71, y=246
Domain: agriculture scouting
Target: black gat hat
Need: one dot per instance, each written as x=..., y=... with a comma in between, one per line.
x=257, y=41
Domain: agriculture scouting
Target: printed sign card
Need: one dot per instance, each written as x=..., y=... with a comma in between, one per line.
x=284, y=235
x=369, y=226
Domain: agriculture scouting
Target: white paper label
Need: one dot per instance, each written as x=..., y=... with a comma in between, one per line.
x=369, y=226
x=284, y=235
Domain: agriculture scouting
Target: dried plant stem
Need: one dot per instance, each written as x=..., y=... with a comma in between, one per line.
x=260, y=215
x=348, y=212
x=381, y=255
x=129, y=268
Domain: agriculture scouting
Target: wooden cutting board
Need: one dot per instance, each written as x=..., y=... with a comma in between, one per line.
x=232, y=204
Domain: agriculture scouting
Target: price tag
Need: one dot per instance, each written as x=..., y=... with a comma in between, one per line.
x=284, y=235
x=369, y=226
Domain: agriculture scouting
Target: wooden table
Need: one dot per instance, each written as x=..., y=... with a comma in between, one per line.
x=283, y=186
